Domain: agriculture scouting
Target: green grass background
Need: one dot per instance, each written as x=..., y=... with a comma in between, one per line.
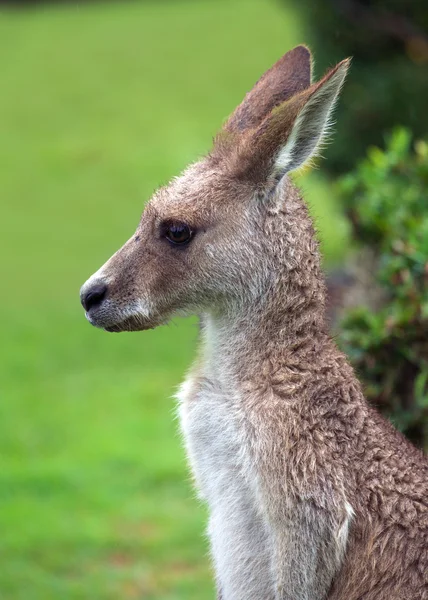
x=99, y=104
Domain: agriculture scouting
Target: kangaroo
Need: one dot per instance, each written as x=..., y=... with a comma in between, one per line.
x=312, y=495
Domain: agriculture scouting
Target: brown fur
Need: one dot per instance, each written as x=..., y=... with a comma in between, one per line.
x=288, y=77
x=304, y=447
x=308, y=421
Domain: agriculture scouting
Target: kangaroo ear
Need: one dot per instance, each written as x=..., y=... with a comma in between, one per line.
x=289, y=76
x=289, y=135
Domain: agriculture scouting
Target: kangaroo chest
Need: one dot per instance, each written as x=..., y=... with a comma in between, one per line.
x=214, y=441
x=239, y=537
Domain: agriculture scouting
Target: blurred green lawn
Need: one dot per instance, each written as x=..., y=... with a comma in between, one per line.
x=99, y=104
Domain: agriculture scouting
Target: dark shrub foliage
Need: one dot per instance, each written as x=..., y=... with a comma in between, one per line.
x=387, y=84
x=387, y=199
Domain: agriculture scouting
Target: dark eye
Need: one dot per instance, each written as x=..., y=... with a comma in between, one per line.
x=178, y=233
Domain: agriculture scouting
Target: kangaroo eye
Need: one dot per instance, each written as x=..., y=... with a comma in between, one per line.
x=178, y=233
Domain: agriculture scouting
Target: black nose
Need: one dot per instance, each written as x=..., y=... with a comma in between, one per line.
x=94, y=296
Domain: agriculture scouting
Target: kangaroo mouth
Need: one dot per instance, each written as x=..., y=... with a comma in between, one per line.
x=114, y=318
x=114, y=322
x=133, y=323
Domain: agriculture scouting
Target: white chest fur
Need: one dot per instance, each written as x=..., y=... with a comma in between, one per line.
x=214, y=438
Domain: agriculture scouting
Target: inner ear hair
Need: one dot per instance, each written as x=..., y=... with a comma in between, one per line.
x=288, y=136
x=312, y=124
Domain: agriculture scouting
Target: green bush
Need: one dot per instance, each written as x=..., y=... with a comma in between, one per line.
x=387, y=200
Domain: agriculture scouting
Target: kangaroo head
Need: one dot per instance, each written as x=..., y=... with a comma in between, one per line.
x=201, y=245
